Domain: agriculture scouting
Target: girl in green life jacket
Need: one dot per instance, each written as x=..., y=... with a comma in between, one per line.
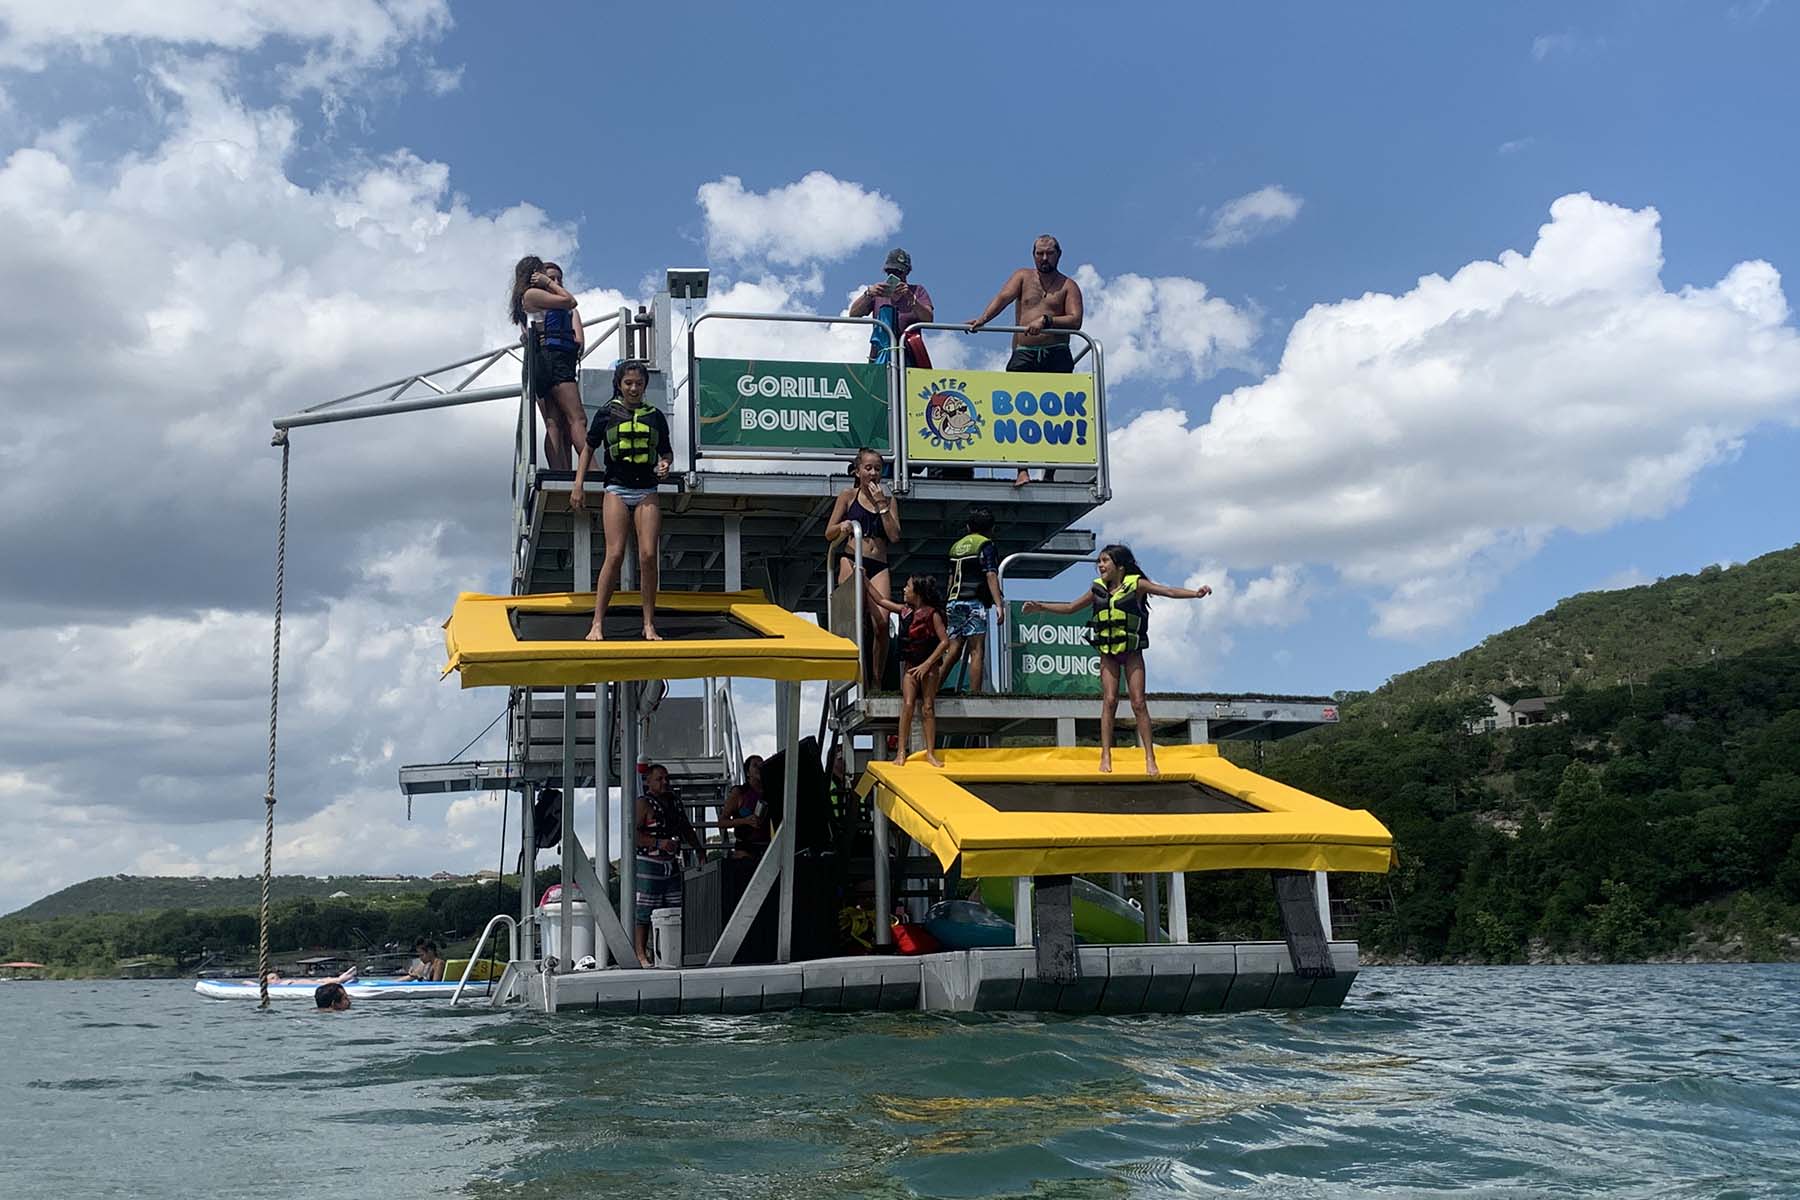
x=1120, y=631
x=635, y=437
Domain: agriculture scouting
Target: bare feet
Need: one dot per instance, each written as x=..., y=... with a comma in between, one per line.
x=900, y=759
x=1150, y=767
x=1023, y=479
x=650, y=634
x=1106, y=761
x=596, y=633
x=932, y=758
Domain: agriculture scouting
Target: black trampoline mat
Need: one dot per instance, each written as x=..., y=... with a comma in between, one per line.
x=627, y=625
x=1148, y=797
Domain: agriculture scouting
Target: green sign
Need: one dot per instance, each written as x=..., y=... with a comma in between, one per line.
x=1050, y=654
x=751, y=404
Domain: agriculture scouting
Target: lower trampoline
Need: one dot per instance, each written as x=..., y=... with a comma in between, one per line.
x=1050, y=810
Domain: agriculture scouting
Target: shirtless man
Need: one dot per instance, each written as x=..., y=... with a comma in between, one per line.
x=1046, y=300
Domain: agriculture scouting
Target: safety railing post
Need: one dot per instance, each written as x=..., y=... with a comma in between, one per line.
x=1003, y=667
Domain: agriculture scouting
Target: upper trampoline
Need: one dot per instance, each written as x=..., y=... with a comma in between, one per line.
x=540, y=641
x=1049, y=811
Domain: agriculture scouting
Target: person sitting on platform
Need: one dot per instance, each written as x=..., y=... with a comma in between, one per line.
x=922, y=645
x=904, y=304
x=974, y=587
x=430, y=967
x=748, y=819
x=1120, y=631
x=1045, y=301
x=662, y=825
x=544, y=311
x=331, y=997
x=638, y=454
x=869, y=504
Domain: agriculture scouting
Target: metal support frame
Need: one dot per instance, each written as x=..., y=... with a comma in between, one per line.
x=884, y=883
x=777, y=862
x=1002, y=665
x=602, y=796
x=1322, y=897
x=1152, y=907
x=836, y=688
x=527, y=842
x=788, y=717
x=734, y=553
x=606, y=922
x=567, y=868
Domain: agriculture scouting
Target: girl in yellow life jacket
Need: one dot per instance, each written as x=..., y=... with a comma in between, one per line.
x=635, y=437
x=1120, y=630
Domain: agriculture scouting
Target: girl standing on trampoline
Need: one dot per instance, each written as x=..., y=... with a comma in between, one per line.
x=1120, y=631
x=635, y=438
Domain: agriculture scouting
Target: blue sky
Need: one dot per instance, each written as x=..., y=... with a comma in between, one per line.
x=264, y=209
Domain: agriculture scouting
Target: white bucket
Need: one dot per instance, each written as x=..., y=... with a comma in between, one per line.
x=665, y=937
x=581, y=937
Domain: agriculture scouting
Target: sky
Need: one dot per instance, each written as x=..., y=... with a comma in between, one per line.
x=1418, y=319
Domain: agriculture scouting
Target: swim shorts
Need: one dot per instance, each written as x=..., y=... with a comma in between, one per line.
x=549, y=367
x=658, y=886
x=966, y=619
x=1041, y=358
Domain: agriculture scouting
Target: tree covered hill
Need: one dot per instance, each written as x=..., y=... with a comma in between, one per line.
x=151, y=893
x=1599, y=639
x=1657, y=818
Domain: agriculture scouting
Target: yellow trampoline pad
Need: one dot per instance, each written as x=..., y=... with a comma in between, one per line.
x=540, y=640
x=1050, y=811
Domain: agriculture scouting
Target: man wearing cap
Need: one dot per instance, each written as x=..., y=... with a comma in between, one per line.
x=911, y=302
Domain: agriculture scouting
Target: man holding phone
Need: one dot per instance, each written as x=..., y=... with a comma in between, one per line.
x=910, y=302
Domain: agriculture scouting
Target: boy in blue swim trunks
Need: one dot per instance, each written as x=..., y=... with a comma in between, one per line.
x=974, y=588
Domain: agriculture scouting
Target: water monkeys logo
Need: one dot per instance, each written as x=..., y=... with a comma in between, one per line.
x=951, y=420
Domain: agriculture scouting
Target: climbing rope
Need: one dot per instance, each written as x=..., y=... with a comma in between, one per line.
x=262, y=913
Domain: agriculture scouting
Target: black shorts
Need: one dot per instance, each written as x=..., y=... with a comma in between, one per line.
x=1042, y=358
x=551, y=366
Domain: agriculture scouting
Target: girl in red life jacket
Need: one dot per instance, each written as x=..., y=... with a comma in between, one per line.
x=923, y=638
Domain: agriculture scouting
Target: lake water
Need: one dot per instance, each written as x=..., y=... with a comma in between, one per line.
x=1515, y=1082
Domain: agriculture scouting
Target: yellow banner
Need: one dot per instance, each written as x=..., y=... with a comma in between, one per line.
x=1000, y=417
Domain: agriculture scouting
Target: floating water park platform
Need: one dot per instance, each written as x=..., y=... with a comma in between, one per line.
x=1205, y=978
x=1007, y=870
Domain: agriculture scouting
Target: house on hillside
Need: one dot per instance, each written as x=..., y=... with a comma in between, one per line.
x=1535, y=710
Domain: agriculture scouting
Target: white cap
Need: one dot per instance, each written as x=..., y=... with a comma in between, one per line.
x=587, y=962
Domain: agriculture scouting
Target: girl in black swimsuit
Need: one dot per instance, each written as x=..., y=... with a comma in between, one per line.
x=871, y=506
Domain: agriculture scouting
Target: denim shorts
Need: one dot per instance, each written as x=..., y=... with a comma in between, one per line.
x=966, y=619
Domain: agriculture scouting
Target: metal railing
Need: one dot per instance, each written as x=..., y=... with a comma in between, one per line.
x=799, y=455
x=512, y=955
x=1102, y=486
x=838, y=687
x=1003, y=660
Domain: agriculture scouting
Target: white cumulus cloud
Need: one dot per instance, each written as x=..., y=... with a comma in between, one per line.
x=817, y=218
x=1425, y=444
x=1252, y=215
x=1164, y=327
